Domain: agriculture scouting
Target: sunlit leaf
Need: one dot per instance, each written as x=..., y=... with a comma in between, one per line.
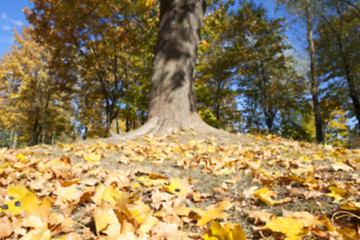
x=215, y=212
x=106, y=220
x=290, y=226
x=178, y=186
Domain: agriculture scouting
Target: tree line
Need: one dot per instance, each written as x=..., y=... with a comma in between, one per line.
x=84, y=69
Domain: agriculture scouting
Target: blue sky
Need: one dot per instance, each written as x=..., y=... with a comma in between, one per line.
x=11, y=16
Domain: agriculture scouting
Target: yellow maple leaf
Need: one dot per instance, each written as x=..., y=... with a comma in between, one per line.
x=352, y=206
x=41, y=234
x=67, y=194
x=13, y=207
x=148, y=182
x=348, y=233
x=140, y=211
x=337, y=193
x=178, y=186
x=266, y=195
x=107, y=194
x=30, y=203
x=291, y=226
x=226, y=232
x=106, y=220
x=21, y=157
x=92, y=157
x=17, y=192
x=214, y=212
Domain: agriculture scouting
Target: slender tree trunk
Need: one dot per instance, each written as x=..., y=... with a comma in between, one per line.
x=269, y=119
x=127, y=125
x=43, y=120
x=353, y=91
x=53, y=138
x=117, y=126
x=35, y=133
x=313, y=77
x=14, y=137
x=108, y=121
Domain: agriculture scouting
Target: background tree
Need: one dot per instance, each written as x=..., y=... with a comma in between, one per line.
x=103, y=42
x=32, y=107
x=338, y=54
x=267, y=82
x=214, y=87
x=303, y=10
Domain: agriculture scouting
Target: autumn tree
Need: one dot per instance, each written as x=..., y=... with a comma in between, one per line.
x=266, y=80
x=338, y=53
x=214, y=87
x=98, y=46
x=303, y=11
x=31, y=107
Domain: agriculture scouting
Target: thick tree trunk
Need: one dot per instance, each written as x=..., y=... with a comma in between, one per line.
x=313, y=78
x=172, y=97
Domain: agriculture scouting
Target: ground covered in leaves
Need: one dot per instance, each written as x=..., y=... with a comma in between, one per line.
x=181, y=186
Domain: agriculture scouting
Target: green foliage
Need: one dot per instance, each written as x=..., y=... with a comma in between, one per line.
x=299, y=125
x=4, y=138
x=266, y=79
x=216, y=97
x=338, y=57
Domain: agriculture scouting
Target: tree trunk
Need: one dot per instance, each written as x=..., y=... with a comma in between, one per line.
x=349, y=72
x=172, y=97
x=14, y=138
x=353, y=91
x=35, y=133
x=117, y=126
x=43, y=120
x=108, y=121
x=349, y=77
x=313, y=77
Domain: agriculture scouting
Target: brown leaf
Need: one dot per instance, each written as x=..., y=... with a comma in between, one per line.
x=6, y=227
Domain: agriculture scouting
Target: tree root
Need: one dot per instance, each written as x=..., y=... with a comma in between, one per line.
x=154, y=126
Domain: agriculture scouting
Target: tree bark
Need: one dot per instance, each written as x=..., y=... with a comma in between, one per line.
x=172, y=96
x=313, y=78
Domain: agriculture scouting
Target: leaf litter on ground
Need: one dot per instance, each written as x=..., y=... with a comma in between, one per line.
x=182, y=186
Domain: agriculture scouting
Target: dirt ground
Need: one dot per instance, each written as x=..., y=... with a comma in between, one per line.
x=228, y=167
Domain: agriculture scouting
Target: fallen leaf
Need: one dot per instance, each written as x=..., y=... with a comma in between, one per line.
x=290, y=226
x=6, y=227
x=214, y=212
x=106, y=220
x=178, y=186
